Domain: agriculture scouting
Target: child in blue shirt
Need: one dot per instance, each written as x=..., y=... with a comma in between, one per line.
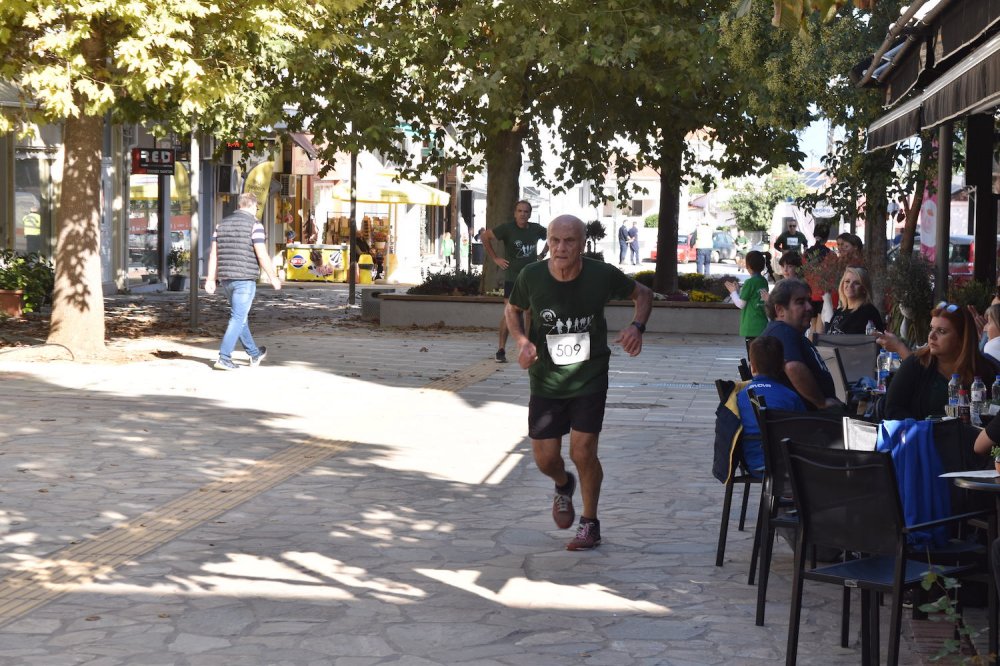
x=767, y=362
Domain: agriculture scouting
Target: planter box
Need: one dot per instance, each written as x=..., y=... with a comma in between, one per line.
x=10, y=302
x=405, y=310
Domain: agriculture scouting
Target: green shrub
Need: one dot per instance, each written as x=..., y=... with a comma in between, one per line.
x=462, y=283
x=645, y=278
x=689, y=281
x=28, y=272
x=971, y=292
x=703, y=296
x=651, y=221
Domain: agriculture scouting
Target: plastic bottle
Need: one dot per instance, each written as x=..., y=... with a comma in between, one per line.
x=896, y=362
x=882, y=368
x=870, y=328
x=954, y=386
x=977, y=400
x=964, y=410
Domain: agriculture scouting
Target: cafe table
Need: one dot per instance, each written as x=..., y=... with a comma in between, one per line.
x=987, y=481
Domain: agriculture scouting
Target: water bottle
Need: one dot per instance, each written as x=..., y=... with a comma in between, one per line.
x=870, y=328
x=882, y=378
x=896, y=362
x=954, y=386
x=995, y=391
x=977, y=400
x=964, y=412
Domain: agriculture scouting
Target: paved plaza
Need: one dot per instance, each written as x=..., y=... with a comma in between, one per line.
x=368, y=497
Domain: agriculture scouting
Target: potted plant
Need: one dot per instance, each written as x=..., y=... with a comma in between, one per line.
x=995, y=452
x=26, y=282
x=178, y=261
x=594, y=232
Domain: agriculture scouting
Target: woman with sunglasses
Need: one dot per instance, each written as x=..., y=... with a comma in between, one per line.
x=920, y=388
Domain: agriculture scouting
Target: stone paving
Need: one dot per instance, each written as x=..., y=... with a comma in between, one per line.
x=425, y=539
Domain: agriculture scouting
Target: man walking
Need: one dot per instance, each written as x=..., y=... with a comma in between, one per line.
x=236, y=258
x=567, y=356
x=622, y=243
x=520, y=240
x=703, y=246
x=633, y=243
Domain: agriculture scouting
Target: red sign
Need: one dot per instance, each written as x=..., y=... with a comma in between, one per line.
x=159, y=161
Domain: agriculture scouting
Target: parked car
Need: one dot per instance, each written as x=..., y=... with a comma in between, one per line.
x=685, y=252
x=961, y=253
x=724, y=247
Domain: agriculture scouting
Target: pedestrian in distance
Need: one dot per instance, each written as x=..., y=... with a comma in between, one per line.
x=622, y=242
x=236, y=259
x=447, y=248
x=567, y=357
x=520, y=241
x=633, y=243
x=703, y=244
x=791, y=240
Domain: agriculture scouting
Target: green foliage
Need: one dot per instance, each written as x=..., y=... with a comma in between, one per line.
x=178, y=260
x=703, y=297
x=995, y=452
x=753, y=205
x=689, y=281
x=945, y=609
x=908, y=285
x=971, y=292
x=713, y=285
x=595, y=232
x=30, y=273
x=645, y=278
x=461, y=283
x=651, y=221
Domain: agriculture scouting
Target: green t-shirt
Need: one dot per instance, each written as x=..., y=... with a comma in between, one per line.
x=576, y=306
x=753, y=318
x=520, y=245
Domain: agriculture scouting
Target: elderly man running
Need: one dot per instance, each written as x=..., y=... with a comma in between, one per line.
x=567, y=356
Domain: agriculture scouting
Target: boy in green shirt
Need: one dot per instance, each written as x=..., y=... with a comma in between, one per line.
x=749, y=298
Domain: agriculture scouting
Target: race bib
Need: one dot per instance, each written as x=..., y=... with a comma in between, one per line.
x=568, y=348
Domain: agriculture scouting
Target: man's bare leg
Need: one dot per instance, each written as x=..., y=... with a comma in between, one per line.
x=583, y=453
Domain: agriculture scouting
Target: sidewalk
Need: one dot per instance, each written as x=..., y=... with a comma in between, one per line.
x=367, y=497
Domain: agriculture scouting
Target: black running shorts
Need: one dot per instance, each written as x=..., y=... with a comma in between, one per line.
x=551, y=418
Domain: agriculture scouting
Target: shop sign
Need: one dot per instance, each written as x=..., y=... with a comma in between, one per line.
x=298, y=261
x=159, y=161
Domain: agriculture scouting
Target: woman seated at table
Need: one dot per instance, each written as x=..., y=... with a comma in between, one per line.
x=992, y=332
x=920, y=387
x=856, y=308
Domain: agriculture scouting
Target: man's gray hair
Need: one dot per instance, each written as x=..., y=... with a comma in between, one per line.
x=783, y=293
x=246, y=200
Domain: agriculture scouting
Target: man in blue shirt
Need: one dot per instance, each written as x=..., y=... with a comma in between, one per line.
x=767, y=363
x=790, y=312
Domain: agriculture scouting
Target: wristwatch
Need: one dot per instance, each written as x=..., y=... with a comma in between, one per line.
x=640, y=326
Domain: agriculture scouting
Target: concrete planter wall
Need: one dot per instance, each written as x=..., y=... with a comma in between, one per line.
x=485, y=311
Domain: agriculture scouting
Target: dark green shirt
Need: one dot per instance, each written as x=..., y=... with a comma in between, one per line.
x=520, y=245
x=576, y=306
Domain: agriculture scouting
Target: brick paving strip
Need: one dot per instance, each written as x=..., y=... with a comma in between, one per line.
x=79, y=564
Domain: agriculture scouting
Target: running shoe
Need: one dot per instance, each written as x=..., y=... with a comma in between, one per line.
x=588, y=536
x=562, y=503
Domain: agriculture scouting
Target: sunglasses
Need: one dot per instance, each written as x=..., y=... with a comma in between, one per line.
x=947, y=307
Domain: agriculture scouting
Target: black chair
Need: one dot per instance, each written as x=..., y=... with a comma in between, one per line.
x=739, y=474
x=817, y=428
x=849, y=500
x=744, y=370
x=834, y=363
x=857, y=353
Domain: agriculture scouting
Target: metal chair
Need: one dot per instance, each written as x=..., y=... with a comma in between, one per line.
x=739, y=474
x=849, y=500
x=857, y=353
x=832, y=358
x=775, y=425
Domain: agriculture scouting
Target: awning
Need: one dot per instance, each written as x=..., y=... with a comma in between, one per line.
x=382, y=188
x=972, y=83
x=900, y=123
x=302, y=141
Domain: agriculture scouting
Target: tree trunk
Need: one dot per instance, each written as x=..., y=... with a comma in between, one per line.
x=876, y=211
x=78, y=298
x=671, y=154
x=503, y=170
x=917, y=200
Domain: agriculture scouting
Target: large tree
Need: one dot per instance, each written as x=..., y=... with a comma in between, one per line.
x=171, y=64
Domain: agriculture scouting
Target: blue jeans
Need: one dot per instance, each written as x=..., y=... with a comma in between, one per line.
x=703, y=259
x=240, y=295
